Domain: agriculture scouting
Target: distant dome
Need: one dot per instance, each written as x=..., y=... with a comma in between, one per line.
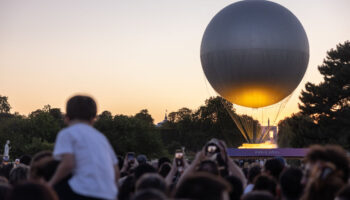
x=164, y=121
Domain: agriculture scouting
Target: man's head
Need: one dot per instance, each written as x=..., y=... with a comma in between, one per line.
x=163, y=160
x=208, y=166
x=253, y=172
x=32, y=190
x=265, y=183
x=324, y=182
x=344, y=193
x=290, y=183
x=322, y=154
x=143, y=169
x=151, y=181
x=203, y=186
x=142, y=159
x=274, y=167
x=25, y=159
x=149, y=194
x=258, y=195
x=237, y=187
x=164, y=169
x=43, y=166
x=18, y=174
x=81, y=108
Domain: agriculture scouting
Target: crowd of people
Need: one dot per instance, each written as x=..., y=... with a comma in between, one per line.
x=83, y=165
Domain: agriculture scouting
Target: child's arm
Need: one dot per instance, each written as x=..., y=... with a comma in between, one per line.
x=64, y=168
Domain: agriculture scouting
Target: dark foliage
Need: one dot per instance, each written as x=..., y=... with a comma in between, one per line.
x=325, y=107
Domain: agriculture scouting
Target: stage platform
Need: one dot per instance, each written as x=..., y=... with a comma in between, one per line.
x=291, y=153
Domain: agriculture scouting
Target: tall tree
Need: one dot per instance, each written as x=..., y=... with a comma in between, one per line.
x=325, y=107
x=192, y=129
x=330, y=100
x=144, y=116
x=131, y=133
x=300, y=131
x=4, y=105
x=181, y=114
x=215, y=118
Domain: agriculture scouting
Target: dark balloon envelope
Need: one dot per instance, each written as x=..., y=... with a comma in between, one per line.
x=254, y=53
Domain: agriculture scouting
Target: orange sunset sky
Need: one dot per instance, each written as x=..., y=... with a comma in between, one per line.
x=131, y=55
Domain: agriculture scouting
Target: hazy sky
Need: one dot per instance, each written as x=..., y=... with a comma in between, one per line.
x=130, y=54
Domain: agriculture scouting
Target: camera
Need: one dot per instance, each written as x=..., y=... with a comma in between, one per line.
x=213, y=152
x=179, y=156
x=212, y=148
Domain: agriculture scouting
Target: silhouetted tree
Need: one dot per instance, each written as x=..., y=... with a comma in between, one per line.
x=144, y=116
x=131, y=133
x=4, y=105
x=29, y=135
x=192, y=129
x=330, y=100
x=300, y=131
x=325, y=107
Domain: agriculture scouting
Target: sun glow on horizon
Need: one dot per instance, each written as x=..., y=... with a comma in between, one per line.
x=132, y=55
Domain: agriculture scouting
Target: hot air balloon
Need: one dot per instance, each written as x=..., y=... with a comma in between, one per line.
x=254, y=53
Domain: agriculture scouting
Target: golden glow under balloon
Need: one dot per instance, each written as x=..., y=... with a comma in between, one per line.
x=254, y=97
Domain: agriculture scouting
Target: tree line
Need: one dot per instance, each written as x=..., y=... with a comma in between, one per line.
x=185, y=128
x=324, y=118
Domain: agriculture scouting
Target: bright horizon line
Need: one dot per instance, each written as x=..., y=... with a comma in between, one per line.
x=132, y=55
x=241, y=110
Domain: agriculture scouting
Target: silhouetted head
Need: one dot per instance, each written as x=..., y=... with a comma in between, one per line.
x=19, y=174
x=127, y=188
x=290, y=183
x=3, y=180
x=253, y=172
x=41, y=155
x=151, y=181
x=236, y=187
x=25, y=159
x=143, y=169
x=5, y=170
x=258, y=195
x=209, y=166
x=164, y=169
x=142, y=159
x=163, y=160
x=32, y=191
x=329, y=153
x=324, y=182
x=203, y=186
x=81, y=108
x=265, y=183
x=46, y=169
x=5, y=190
x=344, y=193
x=149, y=194
x=274, y=167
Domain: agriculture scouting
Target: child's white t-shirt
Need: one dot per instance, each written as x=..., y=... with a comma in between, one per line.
x=94, y=173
